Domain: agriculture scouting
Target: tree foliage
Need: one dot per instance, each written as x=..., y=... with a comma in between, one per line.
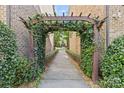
x=59, y=37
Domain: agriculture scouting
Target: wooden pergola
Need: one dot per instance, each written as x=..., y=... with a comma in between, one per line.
x=97, y=24
x=63, y=18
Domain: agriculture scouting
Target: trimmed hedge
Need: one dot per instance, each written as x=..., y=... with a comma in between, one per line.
x=14, y=70
x=112, y=65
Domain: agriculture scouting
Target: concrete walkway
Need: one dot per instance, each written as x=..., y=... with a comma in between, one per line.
x=62, y=74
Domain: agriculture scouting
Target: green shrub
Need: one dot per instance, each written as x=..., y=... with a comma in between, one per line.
x=15, y=73
x=14, y=70
x=112, y=65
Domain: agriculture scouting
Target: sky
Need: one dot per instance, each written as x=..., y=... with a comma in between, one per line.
x=59, y=9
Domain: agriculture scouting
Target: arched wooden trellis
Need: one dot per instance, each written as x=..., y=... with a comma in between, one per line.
x=97, y=24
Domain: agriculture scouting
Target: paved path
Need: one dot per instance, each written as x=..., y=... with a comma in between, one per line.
x=62, y=74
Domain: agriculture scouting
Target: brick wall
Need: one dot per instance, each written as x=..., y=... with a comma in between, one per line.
x=95, y=10
x=72, y=41
x=21, y=32
x=10, y=16
x=116, y=21
x=3, y=13
x=48, y=45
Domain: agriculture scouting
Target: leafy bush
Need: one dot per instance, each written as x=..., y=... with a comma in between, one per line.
x=14, y=70
x=15, y=73
x=112, y=65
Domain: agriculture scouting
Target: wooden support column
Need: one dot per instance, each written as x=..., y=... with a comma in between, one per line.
x=95, y=57
x=63, y=16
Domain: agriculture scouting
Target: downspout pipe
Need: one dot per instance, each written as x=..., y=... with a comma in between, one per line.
x=107, y=25
x=8, y=15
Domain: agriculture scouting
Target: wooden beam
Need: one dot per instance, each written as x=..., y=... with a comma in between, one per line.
x=55, y=14
x=97, y=17
x=63, y=16
x=29, y=18
x=68, y=18
x=71, y=13
x=104, y=18
x=46, y=14
x=80, y=14
x=89, y=15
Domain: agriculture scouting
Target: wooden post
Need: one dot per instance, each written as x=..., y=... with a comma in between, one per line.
x=95, y=57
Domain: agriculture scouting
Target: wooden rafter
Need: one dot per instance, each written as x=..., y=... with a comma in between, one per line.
x=46, y=14
x=55, y=14
x=100, y=23
x=80, y=14
x=68, y=18
x=71, y=13
x=63, y=16
x=89, y=15
x=97, y=17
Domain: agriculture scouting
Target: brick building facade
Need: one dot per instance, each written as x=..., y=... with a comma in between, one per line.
x=110, y=30
x=10, y=15
x=3, y=13
x=115, y=21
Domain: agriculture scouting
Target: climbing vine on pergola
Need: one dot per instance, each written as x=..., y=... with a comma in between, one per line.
x=40, y=25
